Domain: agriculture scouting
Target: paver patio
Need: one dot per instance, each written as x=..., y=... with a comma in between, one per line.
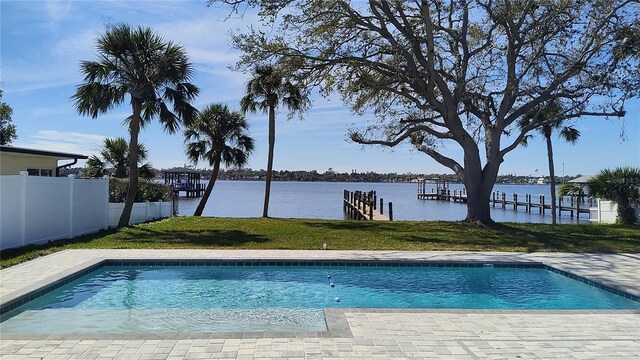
x=375, y=334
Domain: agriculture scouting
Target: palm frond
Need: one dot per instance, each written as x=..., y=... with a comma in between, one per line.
x=219, y=134
x=570, y=134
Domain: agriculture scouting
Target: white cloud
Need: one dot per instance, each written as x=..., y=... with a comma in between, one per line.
x=76, y=46
x=69, y=137
x=60, y=147
x=64, y=109
x=58, y=9
x=63, y=141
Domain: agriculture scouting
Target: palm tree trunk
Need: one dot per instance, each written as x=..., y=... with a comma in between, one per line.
x=209, y=189
x=134, y=129
x=272, y=142
x=552, y=176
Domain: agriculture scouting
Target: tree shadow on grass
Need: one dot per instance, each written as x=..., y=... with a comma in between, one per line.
x=194, y=238
x=442, y=235
x=351, y=225
x=136, y=237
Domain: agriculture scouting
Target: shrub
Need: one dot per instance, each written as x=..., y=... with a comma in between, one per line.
x=147, y=191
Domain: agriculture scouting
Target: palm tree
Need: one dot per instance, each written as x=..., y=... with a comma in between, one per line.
x=154, y=73
x=622, y=186
x=218, y=135
x=265, y=90
x=114, y=160
x=548, y=127
x=577, y=190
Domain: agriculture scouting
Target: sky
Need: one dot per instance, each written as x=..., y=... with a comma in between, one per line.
x=43, y=42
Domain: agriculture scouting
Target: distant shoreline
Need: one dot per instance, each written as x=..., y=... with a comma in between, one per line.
x=363, y=181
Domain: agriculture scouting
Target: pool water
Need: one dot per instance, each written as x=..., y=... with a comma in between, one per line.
x=159, y=299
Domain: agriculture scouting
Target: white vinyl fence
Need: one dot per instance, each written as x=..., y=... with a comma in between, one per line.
x=141, y=212
x=37, y=209
x=606, y=212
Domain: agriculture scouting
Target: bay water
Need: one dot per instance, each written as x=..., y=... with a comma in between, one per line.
x=323, y=200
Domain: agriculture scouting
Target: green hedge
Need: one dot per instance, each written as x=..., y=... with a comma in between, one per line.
x=147, y=191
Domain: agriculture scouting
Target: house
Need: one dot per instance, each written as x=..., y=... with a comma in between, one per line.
x=582, y=180
x=13, y=160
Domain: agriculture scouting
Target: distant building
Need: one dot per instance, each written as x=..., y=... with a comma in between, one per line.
x=542, y=181
x=582, y=180
x=13, y=160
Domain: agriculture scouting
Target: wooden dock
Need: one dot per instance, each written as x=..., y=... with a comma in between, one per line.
x=571, y=204
x=191, y=192
x=184, y=180
x=359, y=205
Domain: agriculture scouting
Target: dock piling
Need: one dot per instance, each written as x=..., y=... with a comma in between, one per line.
x=360, y=205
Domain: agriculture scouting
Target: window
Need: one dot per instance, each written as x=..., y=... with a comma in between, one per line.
x=40, y=172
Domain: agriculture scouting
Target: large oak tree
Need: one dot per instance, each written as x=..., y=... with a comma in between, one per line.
x=454, y=73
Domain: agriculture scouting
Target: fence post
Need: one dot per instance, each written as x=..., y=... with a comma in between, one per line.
x=71, y=178
x=390, y=211
x=493, y=197
x=542, y=201
x=504, y=200
x=515, y=201
x=372, y=204
x=175, y=204
x=528, y=203
x=23, y=213
x=106, y=201
x=381, y=206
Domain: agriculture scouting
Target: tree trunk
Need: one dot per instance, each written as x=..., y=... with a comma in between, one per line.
x=626, y=212
x=134, y=129
x=272, y=141
x=207, y=191
x=479, y=186
x=552, y=177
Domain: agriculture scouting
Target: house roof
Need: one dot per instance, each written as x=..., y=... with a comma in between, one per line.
x=56, y=154
x=181, y=170
x=581, y=180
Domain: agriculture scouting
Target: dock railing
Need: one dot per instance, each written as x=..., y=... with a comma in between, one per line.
x=574, y=205
x=360, y=205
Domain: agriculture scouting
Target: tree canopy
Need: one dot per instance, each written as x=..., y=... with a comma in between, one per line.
x=7, y=129
x=457, y=73
x=114, y=160
x=620, y=185
x=154, y=73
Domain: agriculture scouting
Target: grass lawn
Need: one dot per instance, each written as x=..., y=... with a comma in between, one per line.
x=305, y=234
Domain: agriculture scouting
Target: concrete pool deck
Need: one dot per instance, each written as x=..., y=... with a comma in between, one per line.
x=395, y=334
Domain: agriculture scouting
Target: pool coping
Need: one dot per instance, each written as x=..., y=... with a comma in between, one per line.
x=337, y=324
x=336, y=320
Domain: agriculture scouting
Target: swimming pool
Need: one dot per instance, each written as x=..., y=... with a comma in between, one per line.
x=168, y=299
